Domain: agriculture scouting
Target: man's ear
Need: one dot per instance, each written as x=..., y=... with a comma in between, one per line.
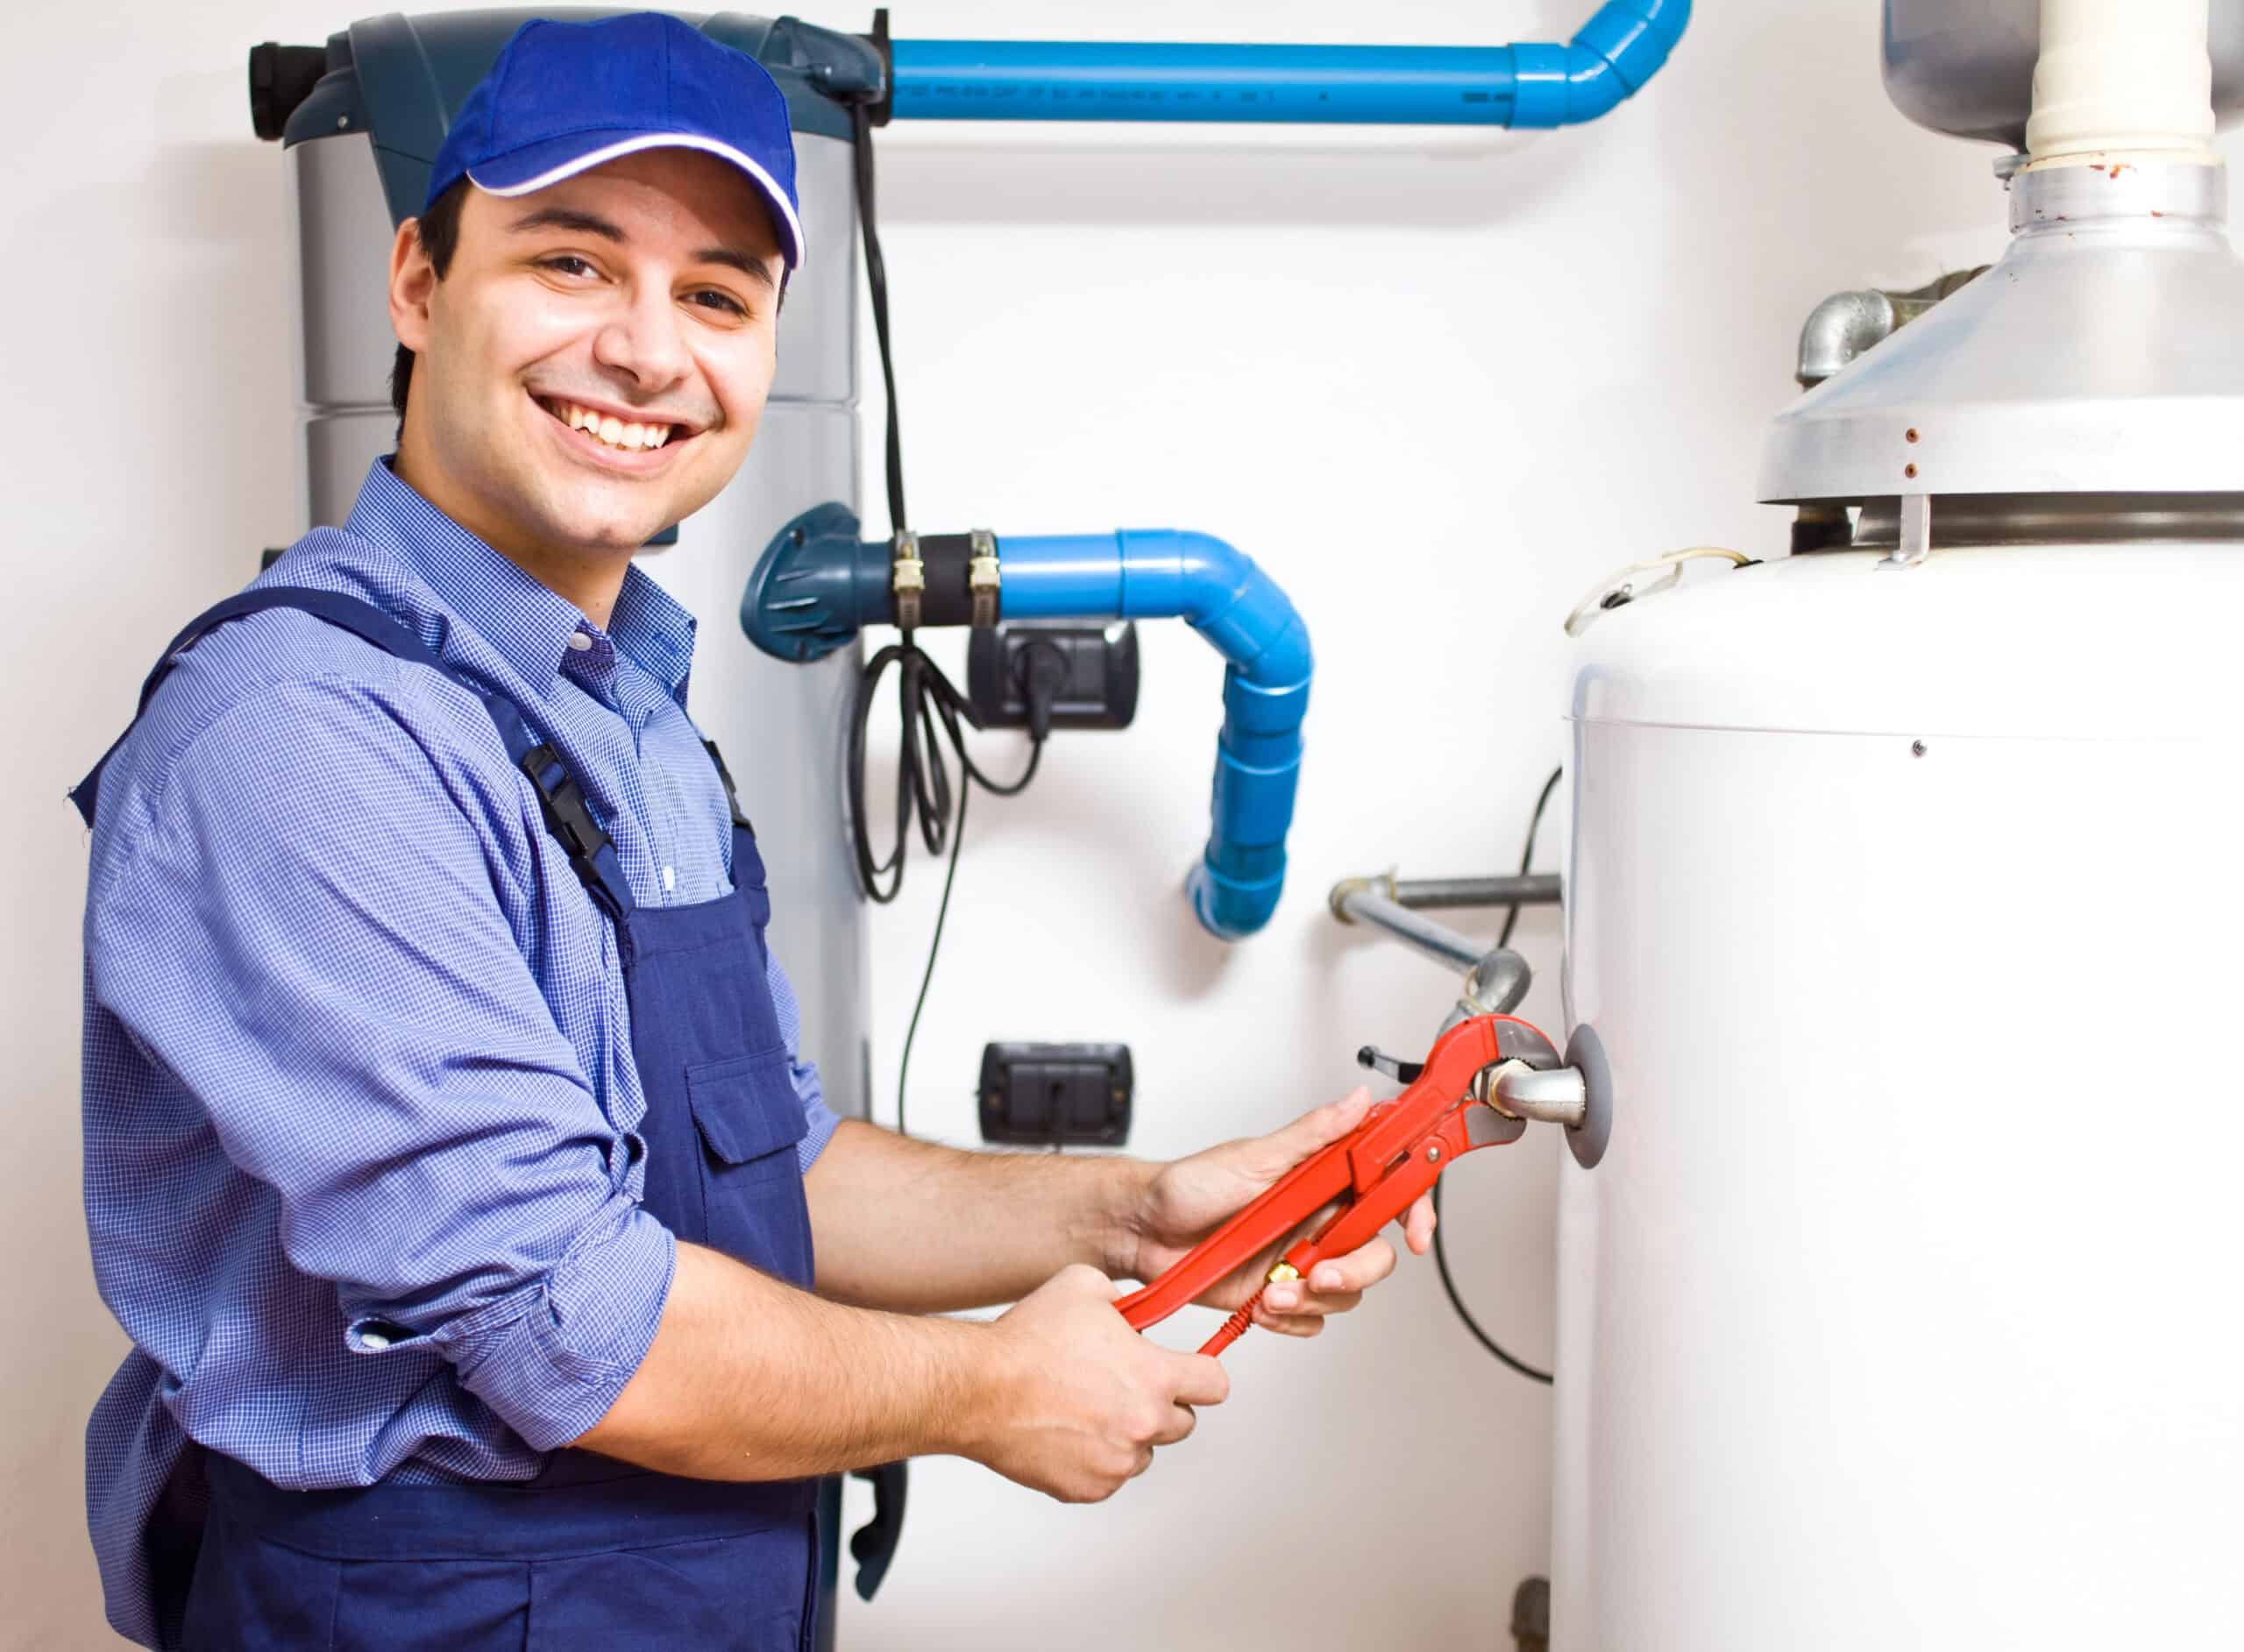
x=412, y=282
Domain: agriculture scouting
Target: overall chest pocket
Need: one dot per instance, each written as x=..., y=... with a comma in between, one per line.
x=750, y=1120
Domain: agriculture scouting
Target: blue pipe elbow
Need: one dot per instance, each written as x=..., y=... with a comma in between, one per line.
x=1220, y=592
x=1609, y=60
x=817, y=584
x=1240, y=610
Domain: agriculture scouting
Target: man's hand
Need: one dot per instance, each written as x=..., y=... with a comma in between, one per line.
x=1188, y=1199
x=1078, y=1400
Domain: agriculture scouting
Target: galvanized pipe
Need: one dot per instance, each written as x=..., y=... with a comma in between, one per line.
x=1557, y=1095
x=1495, y=985
x=1496, y=978
x=1435, y=894
x=1361, y=902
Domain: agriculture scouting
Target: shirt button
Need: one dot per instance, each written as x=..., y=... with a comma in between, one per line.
x=581, y=641
x=669, y=879
x=374, y=1340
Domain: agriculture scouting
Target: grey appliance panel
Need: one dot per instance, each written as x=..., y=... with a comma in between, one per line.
x=817, y=327
x=342, y=237
x=337, y=449
x=782, y=727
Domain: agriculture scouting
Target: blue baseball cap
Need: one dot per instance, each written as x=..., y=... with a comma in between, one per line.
x=564, y=97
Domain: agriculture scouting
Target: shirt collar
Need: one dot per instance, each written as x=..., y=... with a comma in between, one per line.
x=654, y=628
x=528, y=623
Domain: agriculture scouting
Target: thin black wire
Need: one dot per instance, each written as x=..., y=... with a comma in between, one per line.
x=877, y=279
x=942, y=911
x=1441, y=1247
x=1527, y=855
x=1449, y=1284
x=922, y=776
x=930, y=708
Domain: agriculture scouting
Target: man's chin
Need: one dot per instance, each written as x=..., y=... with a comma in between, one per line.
x=598, y=529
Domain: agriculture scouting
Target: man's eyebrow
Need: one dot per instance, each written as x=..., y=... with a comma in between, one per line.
x=568, y=218
x=755, y=269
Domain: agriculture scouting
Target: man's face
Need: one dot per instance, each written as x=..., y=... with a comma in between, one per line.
x=592, y=366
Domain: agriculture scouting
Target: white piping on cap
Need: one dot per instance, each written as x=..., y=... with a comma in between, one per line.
x=2122, y=78
x=773, y=193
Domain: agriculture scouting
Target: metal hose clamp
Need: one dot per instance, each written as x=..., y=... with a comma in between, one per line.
x=982, y=576
x=907, y=577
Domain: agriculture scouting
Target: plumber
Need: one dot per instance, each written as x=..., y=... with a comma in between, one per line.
x=449, y=1160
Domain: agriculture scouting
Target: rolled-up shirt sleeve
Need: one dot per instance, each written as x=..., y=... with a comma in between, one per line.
x=310, y=933
x=821, y=1119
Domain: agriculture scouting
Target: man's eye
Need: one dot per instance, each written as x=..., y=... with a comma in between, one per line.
x=725, y=303
x=566, y=264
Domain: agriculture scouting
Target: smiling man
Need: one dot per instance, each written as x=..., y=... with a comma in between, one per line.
x=449, y=1158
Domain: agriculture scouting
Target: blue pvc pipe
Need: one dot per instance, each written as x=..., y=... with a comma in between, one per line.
x=1525, y=84
x=817, y=584
x=1159, y=574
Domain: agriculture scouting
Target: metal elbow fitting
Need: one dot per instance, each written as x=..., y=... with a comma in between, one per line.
x=1839, y=330
x=1555, y=1095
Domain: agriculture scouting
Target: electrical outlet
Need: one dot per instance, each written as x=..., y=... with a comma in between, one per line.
x=1101, y=688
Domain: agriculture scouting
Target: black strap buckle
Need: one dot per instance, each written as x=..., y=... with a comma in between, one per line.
x=732, y=794
x=567, y=815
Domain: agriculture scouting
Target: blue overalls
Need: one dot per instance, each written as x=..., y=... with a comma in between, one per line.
x=592, y=1553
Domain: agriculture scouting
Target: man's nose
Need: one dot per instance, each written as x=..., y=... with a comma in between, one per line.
x=644, y=340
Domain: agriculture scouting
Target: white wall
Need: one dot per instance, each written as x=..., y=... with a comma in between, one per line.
x=1436, y=383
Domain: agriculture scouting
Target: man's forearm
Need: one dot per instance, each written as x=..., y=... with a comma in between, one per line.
x=917, y=1228
x=748, y=1379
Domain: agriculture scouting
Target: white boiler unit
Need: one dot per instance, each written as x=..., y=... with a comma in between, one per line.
x=1902, y=1307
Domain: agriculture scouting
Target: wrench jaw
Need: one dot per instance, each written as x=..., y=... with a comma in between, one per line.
x=1486, y=1127
x=1518, y=1041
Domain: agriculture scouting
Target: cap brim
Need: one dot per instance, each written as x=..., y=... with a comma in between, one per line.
x=540, y=166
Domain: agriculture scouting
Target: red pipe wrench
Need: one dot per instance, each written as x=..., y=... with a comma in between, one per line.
x=1373, y=1173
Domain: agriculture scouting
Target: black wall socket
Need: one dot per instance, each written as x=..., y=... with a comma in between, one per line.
x=1101, y=688
x=1056, y=1094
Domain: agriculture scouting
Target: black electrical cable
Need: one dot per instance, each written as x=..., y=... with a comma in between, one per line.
x=932, y=710
x=876, y=281
x=942, y=911
x=1441, y=1249
x=930, y=707
x=1527, y=855
x=1449, y=1284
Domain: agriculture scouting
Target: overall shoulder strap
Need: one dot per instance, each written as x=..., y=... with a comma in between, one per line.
x=740, y=821
x=567, y=816
x=362, y=620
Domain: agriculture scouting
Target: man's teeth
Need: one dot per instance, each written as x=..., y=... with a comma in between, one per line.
x=613, y=430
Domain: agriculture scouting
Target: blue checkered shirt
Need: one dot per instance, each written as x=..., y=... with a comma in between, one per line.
x=360, y=1097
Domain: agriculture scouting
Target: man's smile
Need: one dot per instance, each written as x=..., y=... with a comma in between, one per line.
x=616, y=436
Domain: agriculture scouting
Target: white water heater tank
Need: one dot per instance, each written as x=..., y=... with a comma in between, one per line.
x=1904, y=1307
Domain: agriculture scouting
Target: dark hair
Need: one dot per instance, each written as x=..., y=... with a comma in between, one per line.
x=438, y=228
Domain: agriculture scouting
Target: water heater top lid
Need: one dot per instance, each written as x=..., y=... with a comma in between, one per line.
x=2103, y=354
